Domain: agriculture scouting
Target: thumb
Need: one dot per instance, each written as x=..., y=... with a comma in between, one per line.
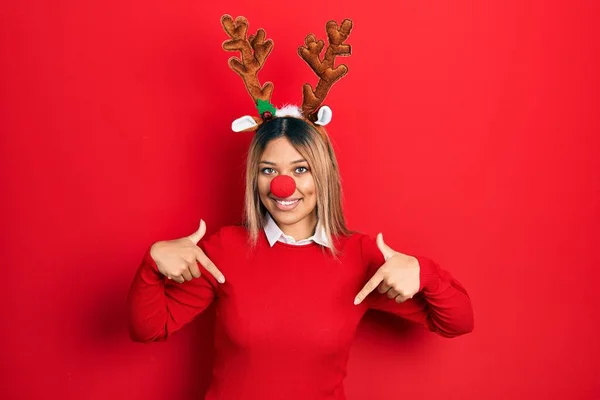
x=199, y=234
x=384, y=248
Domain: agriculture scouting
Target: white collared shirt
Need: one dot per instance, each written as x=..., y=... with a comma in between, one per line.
x=275, y=234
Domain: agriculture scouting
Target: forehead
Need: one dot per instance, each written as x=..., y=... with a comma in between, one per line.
x=280, y=151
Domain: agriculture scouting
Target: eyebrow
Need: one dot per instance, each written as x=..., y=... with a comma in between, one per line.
x=292, y=163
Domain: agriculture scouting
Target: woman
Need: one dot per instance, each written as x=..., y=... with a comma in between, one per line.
x=292, y=285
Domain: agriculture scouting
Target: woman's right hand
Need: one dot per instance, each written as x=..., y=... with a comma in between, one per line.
x=178, y=259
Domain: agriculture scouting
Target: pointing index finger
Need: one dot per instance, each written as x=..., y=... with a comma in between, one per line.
x=209, y=266
x=369, y=287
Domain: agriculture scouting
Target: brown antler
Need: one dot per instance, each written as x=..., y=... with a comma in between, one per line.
x=254, y=52
x=328, y=75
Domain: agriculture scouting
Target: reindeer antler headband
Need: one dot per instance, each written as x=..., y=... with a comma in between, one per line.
x=254, y=51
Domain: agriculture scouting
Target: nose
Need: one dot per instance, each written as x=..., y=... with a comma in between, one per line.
x=283, y=186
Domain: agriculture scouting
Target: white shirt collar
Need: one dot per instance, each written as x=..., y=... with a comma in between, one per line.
x=275, y=234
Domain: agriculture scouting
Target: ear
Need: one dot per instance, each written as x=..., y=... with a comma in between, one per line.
x=323, y=116
x=244, y=124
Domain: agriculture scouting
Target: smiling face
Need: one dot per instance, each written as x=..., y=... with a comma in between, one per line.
x=296, y=215
x=316, y=192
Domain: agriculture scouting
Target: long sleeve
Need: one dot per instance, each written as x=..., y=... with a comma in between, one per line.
x=442, y=304
x=157, y=306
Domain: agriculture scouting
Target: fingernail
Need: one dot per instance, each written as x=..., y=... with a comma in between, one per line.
x=222, y=279
x=356, y=301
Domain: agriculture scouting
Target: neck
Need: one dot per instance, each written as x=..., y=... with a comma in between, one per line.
x=302, y=229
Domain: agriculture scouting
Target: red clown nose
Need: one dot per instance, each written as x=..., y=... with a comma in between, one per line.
x=283, y=186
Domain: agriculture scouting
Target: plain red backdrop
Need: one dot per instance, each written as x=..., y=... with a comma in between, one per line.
x=466, y=130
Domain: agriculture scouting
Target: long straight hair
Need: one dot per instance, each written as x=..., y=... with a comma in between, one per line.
x=315, y=146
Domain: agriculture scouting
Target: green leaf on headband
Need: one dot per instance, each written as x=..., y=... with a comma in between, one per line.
x=265, y=105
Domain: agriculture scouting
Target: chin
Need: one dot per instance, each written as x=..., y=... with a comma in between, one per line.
x=286, y=217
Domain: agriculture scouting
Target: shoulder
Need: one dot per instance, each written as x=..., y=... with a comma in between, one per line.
x=228, y=235
x=363, y=245
x=234, y=234
x=356, y=242
x=226, y=240
x=354, y=239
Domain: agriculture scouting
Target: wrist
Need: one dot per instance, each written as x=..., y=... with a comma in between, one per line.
x=155, y=250
x=428, y=273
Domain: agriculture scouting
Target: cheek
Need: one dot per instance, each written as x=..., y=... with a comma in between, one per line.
x=306, y=186
x=263, y=185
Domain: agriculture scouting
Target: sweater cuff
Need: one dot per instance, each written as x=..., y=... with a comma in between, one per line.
x=429, y=273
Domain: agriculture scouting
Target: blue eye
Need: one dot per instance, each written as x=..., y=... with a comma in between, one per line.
x=271, y=171
x=267, y=170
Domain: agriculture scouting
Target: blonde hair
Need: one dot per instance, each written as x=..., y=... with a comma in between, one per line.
x=315, y=147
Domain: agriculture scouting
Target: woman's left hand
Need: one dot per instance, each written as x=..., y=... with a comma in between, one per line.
x=398, y=277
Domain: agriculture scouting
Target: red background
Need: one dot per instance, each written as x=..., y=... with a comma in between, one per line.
x=467, y=131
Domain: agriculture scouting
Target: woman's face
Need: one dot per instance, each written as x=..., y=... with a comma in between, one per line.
x=281, y=158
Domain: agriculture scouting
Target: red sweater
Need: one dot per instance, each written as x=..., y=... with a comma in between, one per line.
x=285, y=315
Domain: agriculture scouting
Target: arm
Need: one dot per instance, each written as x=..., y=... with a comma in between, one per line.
x=441, y=304
x=158, y=306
